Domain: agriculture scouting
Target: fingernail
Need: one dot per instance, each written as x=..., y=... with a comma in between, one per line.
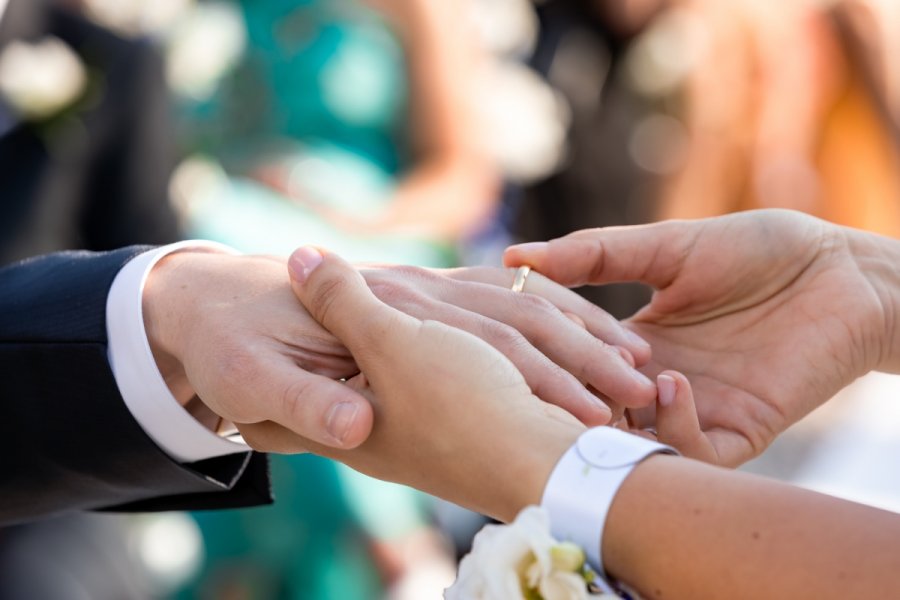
x=667, y=386
x=303, y=261
x=635, y=338
x=530, y=246
x=340, y=419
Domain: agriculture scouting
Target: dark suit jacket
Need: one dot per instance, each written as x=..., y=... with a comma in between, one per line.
x=96, y=177
x=96, y=180
x=67, y=440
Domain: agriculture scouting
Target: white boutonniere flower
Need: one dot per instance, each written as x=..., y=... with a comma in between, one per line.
x=193, y=71
x=522, y=561
x=42, y=79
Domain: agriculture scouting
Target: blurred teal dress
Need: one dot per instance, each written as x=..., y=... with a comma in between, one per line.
x=321, y=90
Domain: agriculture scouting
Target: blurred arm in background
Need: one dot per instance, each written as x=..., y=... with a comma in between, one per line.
x=453, y=186
x=790, y=105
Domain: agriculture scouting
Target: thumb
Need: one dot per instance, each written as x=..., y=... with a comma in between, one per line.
x=676, y=418
x=337, y=296
x=652, y=254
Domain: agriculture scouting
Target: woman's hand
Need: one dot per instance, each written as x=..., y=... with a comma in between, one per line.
x=453, y=416
x=768, y=313
x=559, y=341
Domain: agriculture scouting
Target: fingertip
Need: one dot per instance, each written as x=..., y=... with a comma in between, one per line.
x=526, y=253
x=626, y=386
x=583, y=403
x=647, y=387
x=677, y=419
x=598, y=413
x=509, y=257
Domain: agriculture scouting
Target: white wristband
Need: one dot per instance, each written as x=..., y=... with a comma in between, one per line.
x=585, y=481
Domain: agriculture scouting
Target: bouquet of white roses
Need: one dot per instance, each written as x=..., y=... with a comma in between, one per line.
x=522, y=561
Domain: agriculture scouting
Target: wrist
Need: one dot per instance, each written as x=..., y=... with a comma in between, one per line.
x=163, y=320
x=528, y=467
x=586, y=482
x=167, y=307
x=632, y=517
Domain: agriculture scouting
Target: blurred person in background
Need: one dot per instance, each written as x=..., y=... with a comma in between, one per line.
x=691, y=109
x=380, y=130
x=86, y=139
x=350, y=124
x=335, y=128
x=86, y=152
x=795, y=105
x=582, y=50
x=353, y=126
x=790, y=105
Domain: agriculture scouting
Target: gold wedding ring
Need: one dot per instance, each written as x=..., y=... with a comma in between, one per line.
x=521, y=276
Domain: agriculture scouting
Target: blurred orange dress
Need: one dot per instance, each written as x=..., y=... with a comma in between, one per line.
x=812, y=99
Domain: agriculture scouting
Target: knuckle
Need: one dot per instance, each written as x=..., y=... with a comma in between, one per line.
x=324, y=298
x=400, y=295
x=554, y=382
x=502, y=336
x=593, y=367
x=388, y=291
x=294, y=402
x=539, y=318
x=414, y=272
x=532, y=303
x=410, y=274
x=595, y=314
x=231, y=371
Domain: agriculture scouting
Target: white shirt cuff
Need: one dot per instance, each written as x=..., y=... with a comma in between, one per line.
x=141, y=384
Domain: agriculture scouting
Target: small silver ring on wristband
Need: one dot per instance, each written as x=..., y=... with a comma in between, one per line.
x=585, y=481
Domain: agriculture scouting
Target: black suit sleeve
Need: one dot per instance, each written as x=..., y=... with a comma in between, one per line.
x=67, y=440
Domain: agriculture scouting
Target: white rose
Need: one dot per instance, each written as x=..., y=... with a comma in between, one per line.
x=41, y=79
x=137, y=17
x=203, y=48
x=505, y=558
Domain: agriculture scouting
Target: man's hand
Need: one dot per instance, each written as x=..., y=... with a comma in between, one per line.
x=768, y=313
x=228, y=329
x=453, y=416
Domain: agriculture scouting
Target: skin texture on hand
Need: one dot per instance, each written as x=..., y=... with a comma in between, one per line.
x=453, y=416
x=558, y=340
x=228, y=330
x=768, y=313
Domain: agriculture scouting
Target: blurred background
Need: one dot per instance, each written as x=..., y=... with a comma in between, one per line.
x=431, y=133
